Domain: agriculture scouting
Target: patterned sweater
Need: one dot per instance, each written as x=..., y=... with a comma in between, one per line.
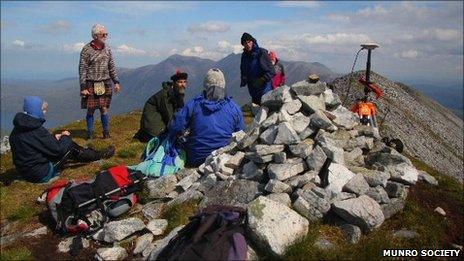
x=96, y=65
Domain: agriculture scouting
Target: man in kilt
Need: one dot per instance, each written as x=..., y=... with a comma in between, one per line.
x=97, y=74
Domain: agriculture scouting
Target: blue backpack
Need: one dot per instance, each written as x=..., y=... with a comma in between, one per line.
x=160, y=158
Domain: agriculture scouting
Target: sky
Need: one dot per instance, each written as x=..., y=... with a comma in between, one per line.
x=419, y=41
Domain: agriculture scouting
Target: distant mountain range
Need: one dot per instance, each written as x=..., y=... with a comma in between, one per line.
x=138, y=85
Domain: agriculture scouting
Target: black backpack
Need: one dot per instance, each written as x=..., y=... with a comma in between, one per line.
x=84, y=207
x=216, y=233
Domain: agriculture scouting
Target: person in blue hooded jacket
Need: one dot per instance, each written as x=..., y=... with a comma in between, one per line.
x=210, y=119
x=37, y=154
x=256, y=69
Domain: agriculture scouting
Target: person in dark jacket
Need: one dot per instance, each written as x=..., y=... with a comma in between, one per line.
x=255, y=68
x=160, y=108
x=37, y=154
x=210, y=119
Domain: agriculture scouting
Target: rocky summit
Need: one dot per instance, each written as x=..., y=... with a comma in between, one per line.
x=273, y=169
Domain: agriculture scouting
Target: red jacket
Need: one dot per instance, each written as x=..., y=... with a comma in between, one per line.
x=279, y=78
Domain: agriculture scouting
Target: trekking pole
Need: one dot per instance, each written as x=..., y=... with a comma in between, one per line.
x=84, y=204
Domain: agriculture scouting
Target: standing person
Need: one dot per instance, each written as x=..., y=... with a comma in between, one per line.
x=159, y=109
x=279, y=78
x=97, y=74
x=255, y=68
x=210, y=119
x=38, y=155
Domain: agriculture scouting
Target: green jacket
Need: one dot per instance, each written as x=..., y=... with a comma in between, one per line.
x=157, y=112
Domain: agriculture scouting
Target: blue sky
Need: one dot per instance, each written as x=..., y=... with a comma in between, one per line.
x=419, y=40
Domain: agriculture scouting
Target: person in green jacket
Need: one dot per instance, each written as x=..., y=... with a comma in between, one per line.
x=160, y=108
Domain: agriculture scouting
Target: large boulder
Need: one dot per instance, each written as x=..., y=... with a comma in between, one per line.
x=378, y=194
x=395, y=205
x=274, y=226
x=300, y=122
x=362, y=211
x=319, y=120
x=237, y=193
x=268, y=136
x=292, y=107
x=316, y=158
x=373, y=177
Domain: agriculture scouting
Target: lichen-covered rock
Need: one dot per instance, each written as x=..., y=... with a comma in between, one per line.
x=319, y=120
x=312, y=103
x=339, y=175
x=276, y=98
x=268, y=136
x=357, y=185
x=292, y=107
x=282, y=198
x=162, y=186
x=142, y=242
x=373, y=177
x=305, y=88
x=157, y=226
x=118, y=230
x=378, y=194
x=344, y=118
x=300, y=122
x=286, y=134
x=311, y=205
x=111, y=253
x=236, y=193
x=286, y=170
x=394, y=206
x=395, y=189
x=276, y=186
x=262, y=150
x=252, y=172
x=362, y=211
x=316, y=158
x=274, y=226
x=331, y=100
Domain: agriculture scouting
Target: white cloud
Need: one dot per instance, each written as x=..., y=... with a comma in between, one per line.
x=335, y=39
x=299, y=4
x=74, y=48
x=210, y=27
x=125, y=49
x=194, y=51
x=227, y=47
x=410, y=54
x=19, y=43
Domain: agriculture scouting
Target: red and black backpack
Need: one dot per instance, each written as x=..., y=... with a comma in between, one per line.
x=83, y=207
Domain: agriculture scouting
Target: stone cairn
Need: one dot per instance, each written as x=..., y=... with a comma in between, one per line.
x=272, y=169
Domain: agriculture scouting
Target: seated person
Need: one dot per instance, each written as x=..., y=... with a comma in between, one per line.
x=160, y=108
x=210, y=117
x=37, y=154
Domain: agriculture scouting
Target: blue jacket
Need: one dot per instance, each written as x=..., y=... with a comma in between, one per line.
x=211, y=124
x=253, y=66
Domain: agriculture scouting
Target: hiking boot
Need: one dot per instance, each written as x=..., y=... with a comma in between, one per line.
x=90, y=135
x=106, y=135
x=106, y=153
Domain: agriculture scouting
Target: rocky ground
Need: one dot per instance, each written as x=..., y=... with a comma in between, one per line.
x=429, y=131
x=272, y=169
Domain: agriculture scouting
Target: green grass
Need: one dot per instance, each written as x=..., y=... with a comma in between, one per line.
x=178, y=215
x=20, y=253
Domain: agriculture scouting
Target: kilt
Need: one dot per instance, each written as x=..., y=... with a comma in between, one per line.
x=93, y=101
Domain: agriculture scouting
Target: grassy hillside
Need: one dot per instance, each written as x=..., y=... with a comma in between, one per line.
x=21, y=213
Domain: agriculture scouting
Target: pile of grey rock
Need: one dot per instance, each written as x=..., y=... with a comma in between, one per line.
x=273, y=170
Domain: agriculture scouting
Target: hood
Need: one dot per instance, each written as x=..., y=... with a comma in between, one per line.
x=33, y=106
x=213, y=105
x=24, y=121
x=255, y=48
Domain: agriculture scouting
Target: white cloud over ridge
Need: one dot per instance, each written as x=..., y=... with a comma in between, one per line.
x=73, y=48
x=210, y=27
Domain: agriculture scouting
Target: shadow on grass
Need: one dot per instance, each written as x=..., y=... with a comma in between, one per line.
x=9, y=177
